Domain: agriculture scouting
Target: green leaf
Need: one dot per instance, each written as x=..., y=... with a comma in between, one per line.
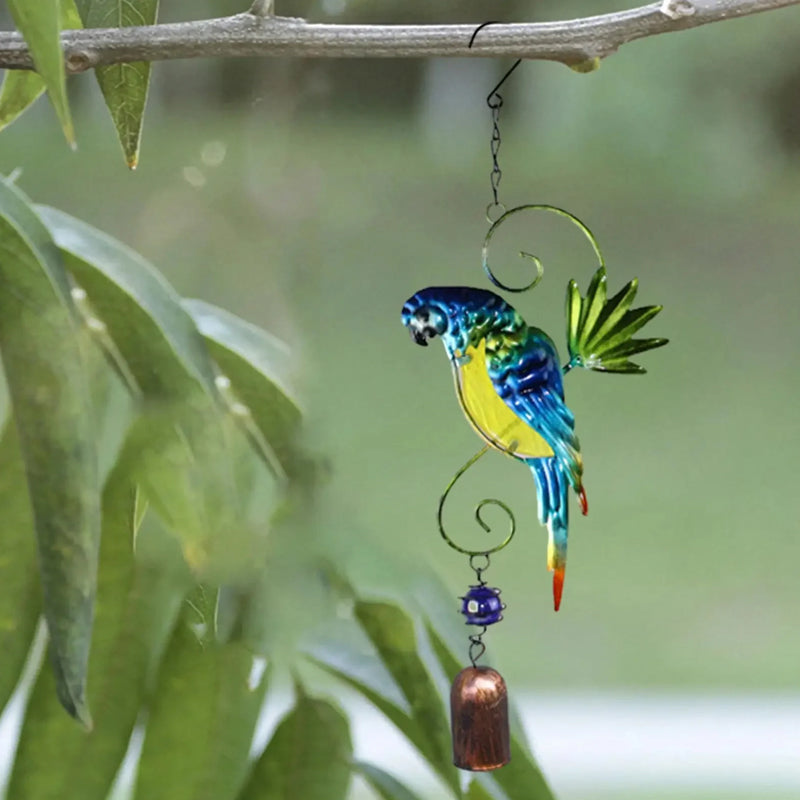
x=187, y=451
x=259, y=367
x=21, y=87
x=521, y=778
x=20, y=594
x=633, y=346
x=599, y=330
x=70, y=18
x=202, y=479
x=631, y=322
x=38, y=22
x=450, y=665
x=387, y=786
x=41, y=346
x=308, y=756
x=477, y=791
x=573, y=314
x=596, y=297
x=611, y=314
x=124, y=86
x=393, y=712
x=139, y=308
x=201, y=722
x=137, y=605
x=392, y=633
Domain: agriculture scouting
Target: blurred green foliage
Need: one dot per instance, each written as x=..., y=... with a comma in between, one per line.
x=689, y=468
x=306, y=211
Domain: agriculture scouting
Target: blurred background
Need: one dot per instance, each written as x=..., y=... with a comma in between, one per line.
x=313, y=197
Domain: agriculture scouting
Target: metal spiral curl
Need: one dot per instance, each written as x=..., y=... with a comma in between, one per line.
x=478, y=509
x=536, y=260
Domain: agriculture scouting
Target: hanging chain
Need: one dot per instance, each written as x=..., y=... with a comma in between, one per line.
x=495, y=102
x=497, y=173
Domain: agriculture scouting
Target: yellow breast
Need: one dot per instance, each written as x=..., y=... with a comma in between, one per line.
x=493, y=420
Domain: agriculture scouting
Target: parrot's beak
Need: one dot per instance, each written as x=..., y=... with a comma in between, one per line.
x=418, y=336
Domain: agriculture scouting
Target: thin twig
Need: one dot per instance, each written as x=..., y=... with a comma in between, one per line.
x=572, y=42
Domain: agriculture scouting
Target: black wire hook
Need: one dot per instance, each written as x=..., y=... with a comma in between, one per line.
x=498, y=103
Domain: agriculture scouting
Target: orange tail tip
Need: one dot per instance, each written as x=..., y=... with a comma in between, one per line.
x=584, y=501
x=558, y=586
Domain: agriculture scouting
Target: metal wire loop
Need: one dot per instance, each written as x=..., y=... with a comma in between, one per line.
x=476, y=646
x=478, y=509
x=494, y=211
x=536, y=260
x=479, y=569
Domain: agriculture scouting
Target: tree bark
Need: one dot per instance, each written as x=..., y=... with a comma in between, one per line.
x=577, y=43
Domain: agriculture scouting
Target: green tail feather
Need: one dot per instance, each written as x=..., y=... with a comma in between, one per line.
x=600, y=331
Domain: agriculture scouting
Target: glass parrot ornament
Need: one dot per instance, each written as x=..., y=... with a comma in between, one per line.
x=509, y=381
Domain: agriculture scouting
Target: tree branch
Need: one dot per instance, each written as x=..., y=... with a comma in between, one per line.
x=258, y=33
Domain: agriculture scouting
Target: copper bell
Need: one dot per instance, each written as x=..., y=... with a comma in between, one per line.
x=479, y=719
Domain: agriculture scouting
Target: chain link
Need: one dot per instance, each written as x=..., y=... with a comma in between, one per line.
x=495, y=102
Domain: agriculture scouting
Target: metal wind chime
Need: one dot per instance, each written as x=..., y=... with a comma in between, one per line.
x=509, y=384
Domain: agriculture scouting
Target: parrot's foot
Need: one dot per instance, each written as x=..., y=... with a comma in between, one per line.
x=558, y=586
x=584, y=501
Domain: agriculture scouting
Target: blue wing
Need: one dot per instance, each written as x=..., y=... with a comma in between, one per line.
x=527, y=375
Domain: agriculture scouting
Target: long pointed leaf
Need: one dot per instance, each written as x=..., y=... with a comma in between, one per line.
x=20, y=593
x=201, y=722
x=308, y=756
x=124, y=86
x=22, y=87
x=386, y=785
x=392, y=633
x=574, y=302
x=621, y=366
x=396, y=715
x=136, y=608
x=138, y=306
x=38, y=22
x=190, y=456
x=631, y=322
x=593, y=303
x=631, y=347
x=259, y=367
x=615, y=308
x=477, y=791
x=45, y=369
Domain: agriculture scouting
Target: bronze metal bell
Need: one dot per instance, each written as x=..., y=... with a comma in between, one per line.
x=479, y=719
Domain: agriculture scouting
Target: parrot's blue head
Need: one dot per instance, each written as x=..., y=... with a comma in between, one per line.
x=425, y=316
x=457, y=313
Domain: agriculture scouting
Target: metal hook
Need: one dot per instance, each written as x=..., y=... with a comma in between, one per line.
x=499, y=101
x=478, y=509
x=536, y=260
x=479, y=29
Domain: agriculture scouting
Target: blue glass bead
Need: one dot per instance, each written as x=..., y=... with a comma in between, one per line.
x=481, y=605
